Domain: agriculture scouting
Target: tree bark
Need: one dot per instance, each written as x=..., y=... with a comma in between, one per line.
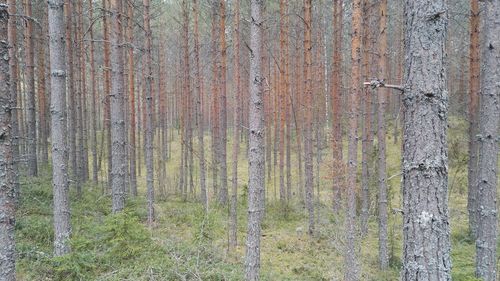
x=30, y=92
x=131, y=85
x=222, y=104
x=474, y=88
x=337, y=103
x=489, y=116
x=149, y=135
x=118, y=155
x=199, y=110
x=351, y=262
x=236, y=129
x=60, y=184
x=7, y=174
x=93, y=110
x=426, y=231
x=256, y=146
x=308, y=145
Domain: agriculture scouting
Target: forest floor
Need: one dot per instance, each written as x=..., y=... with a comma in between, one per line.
x=186, y=244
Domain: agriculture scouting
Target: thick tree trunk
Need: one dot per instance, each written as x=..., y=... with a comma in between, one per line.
x=118, y=155
x=489, y=116
x=308, y=93
x=236, y=129
x=149, y=134
x=256, y=159
x=381, y=132
x=351, y=262
x=474, y=88
x=13, y=70
x=426, y=231
x=7, y=174
x=62, y=227
x=30, y=92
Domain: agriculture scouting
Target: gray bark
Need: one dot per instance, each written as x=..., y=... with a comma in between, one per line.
x=149, y=135
x=62, y=227
x=7, y=175
x=381, y=133
x=489, y=116
x=256, y=145
x=30, y=94
x=426, y=231
x=118, y=155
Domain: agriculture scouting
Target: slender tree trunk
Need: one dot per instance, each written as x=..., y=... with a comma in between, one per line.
x=308, y=149
x=71, y=114
x=489, y=116
x=62, y=223
x=118, y=155
x=236, y=129
x=7, y=174
x=84, y=156
x=474, y=88
x=214, y=120
x=199, y=109
x=30, y=92
x=107, y=85
x=222, y=104
x=256, y=159
x=351, y=261
x=426, y=233
x=93, y=109
x=42, y=117
x=131, y=85
x=149, y=134
x=337, y=103
x=282, y=102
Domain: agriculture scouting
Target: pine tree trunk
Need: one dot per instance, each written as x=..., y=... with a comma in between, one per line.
x=474, y=88
x=381, y=132
x=131, y=85
x=199, y=110
x=60, y=183
x=282, y=101
x=256, y=146
x=93, y=109
x=337, y=103
x=13, y=70
x=351, y=262
x=7, y=174
x=107, y=85
x=149, y=135
x=118, y=155
x=308, y=146
x=222, y=104
x=42, y=113
x=426, y=232
x=489, y=116
x=30, y=92
x=236, y=129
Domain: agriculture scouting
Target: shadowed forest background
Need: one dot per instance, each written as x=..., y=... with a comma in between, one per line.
x=249, y=140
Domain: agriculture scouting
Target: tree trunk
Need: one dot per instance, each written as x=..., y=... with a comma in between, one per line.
x=474, y=88
x=337, y=103
x=93, y=109
x=308, y=148
x=256, y=159
x=282, y=102
x=222, y=104
x=118, y=155
x=30, y=92
x=149, y=136
x=131, y=85
x=426, y=231
x=13, y=70
x=236, y=129
x=42, y=117
x=107, y=85
x=7, y=174
x=381, y=132
x=214, y=120
x=489, y=115
x=199, y=110
x=351, y=262
x=62, y=223
x=84, y=156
